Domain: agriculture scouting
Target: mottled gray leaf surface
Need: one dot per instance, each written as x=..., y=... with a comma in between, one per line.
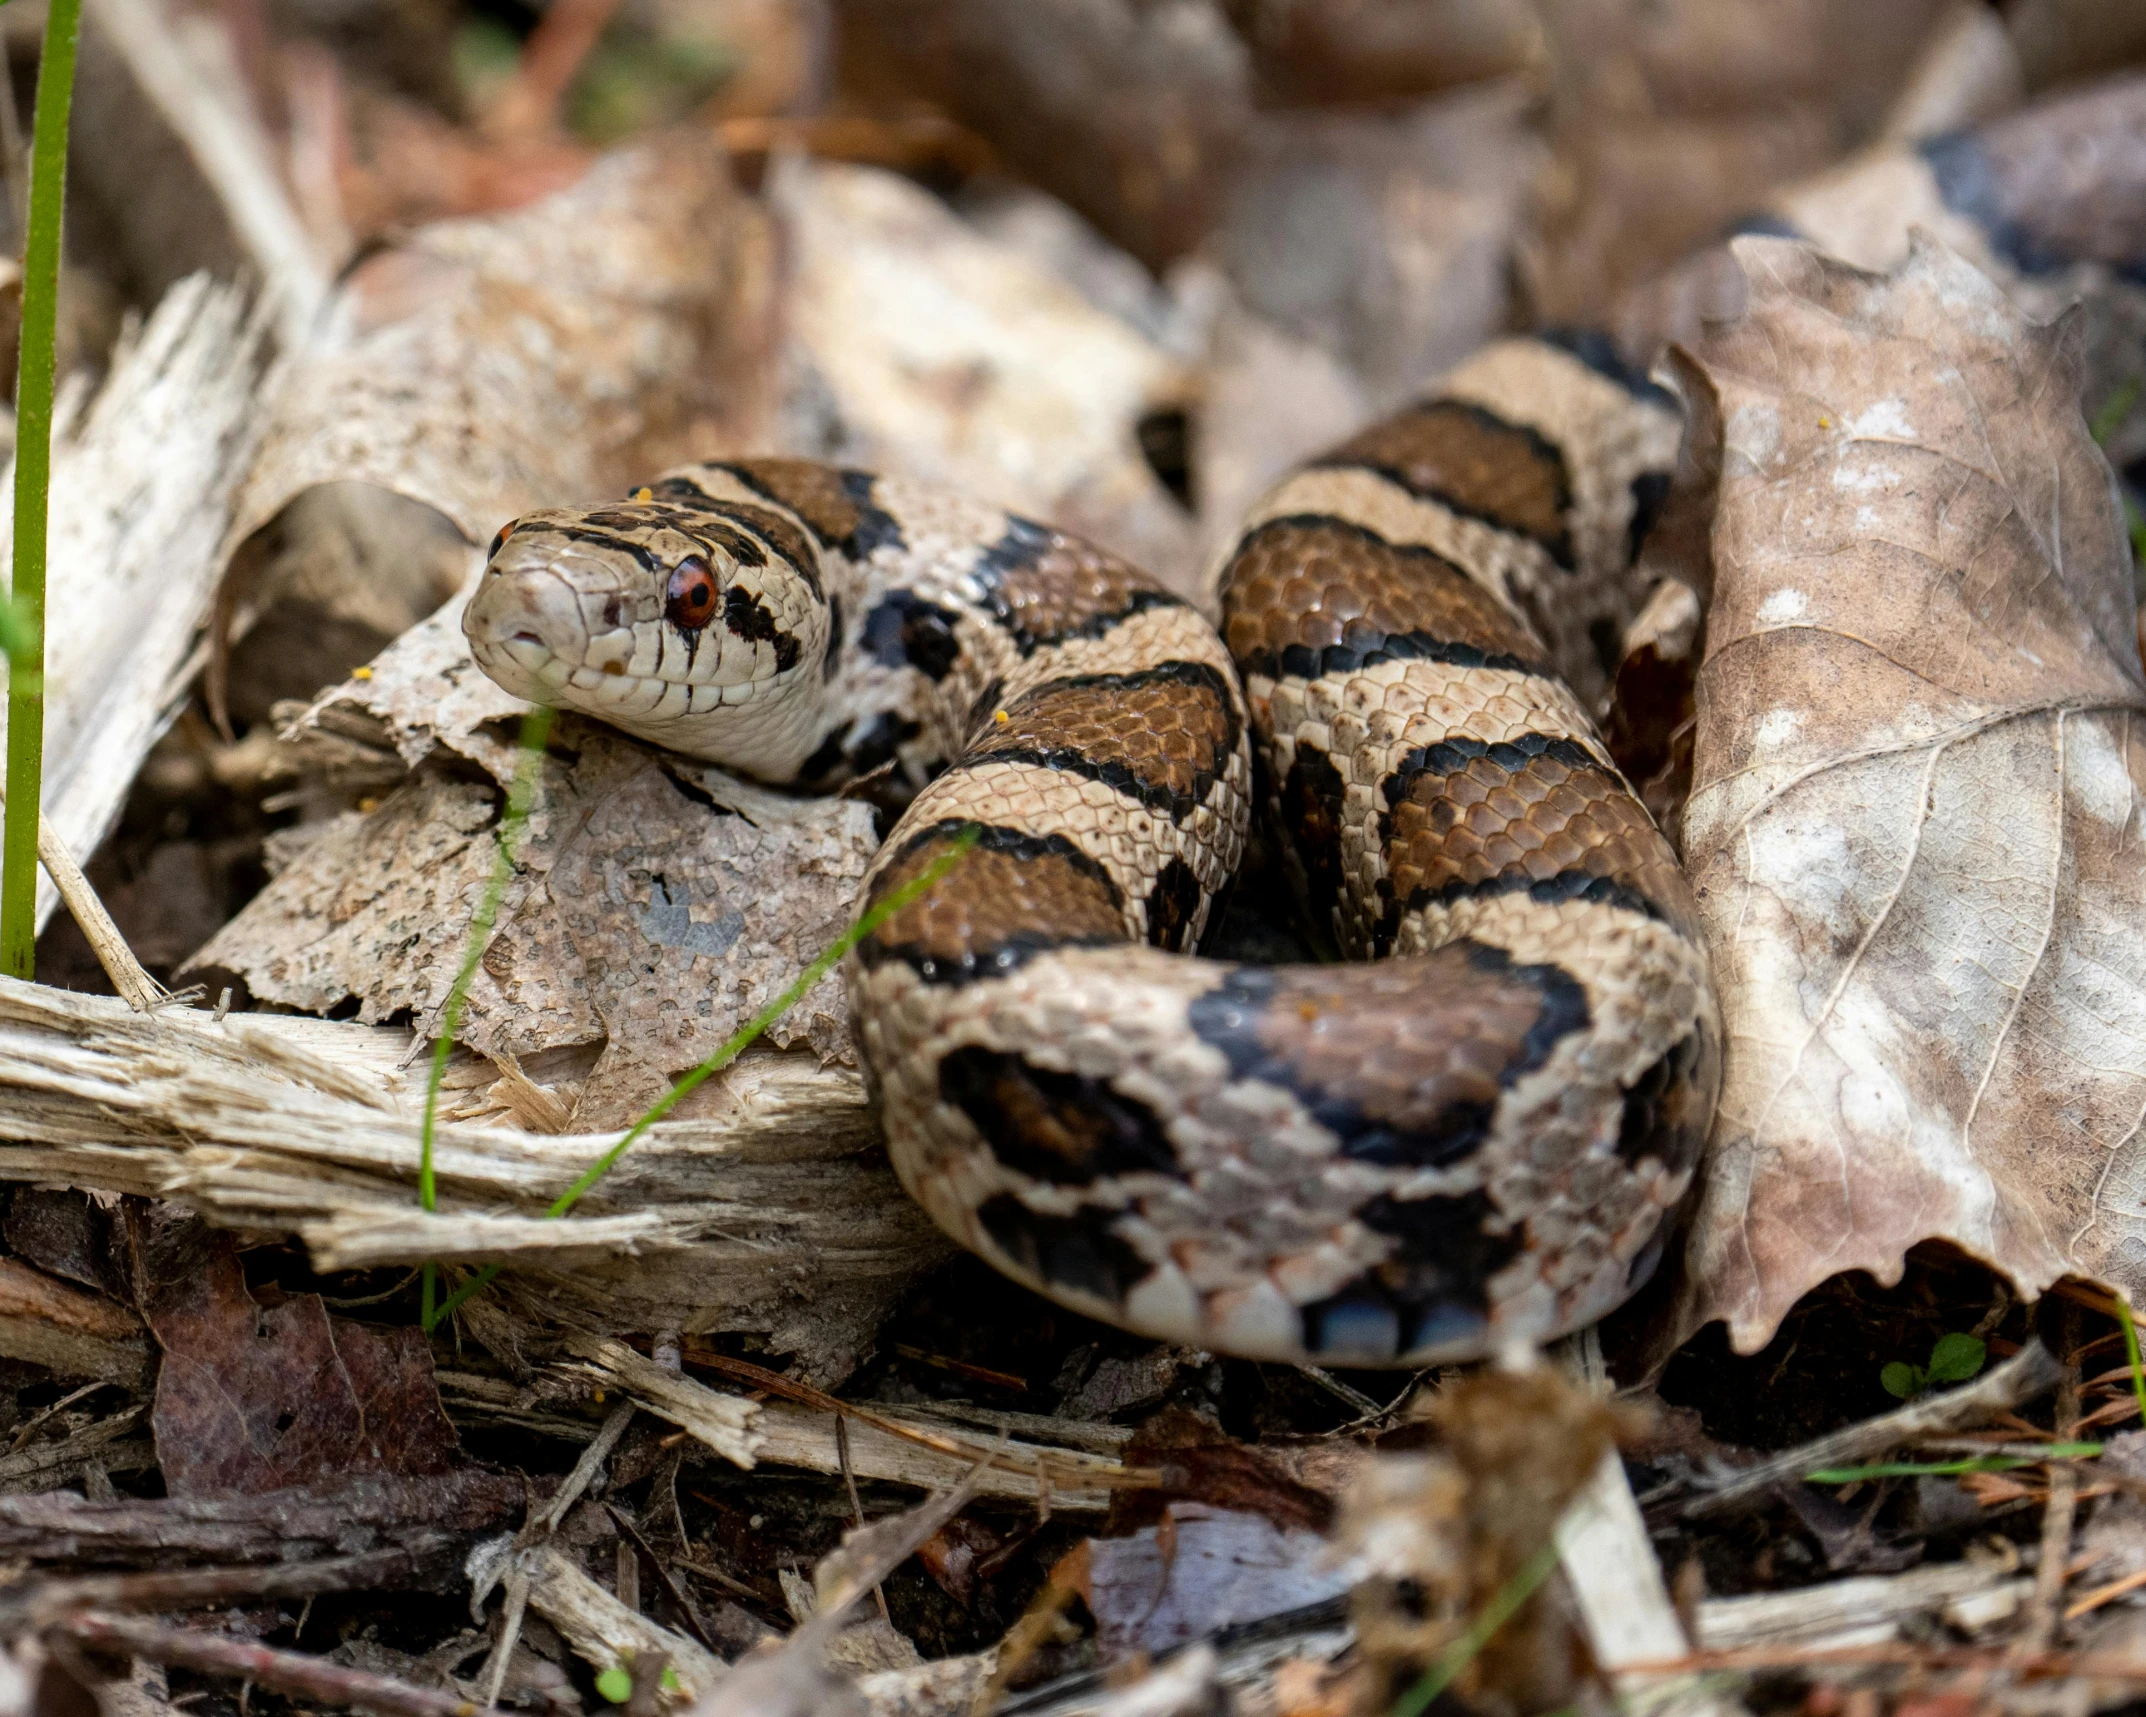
x=1915, y=823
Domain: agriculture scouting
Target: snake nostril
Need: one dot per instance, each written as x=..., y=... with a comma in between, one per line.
x=525, y=638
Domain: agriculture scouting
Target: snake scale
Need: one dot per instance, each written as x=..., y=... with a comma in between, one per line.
x=1471, y=1135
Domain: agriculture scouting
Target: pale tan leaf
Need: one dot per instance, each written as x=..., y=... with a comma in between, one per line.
x=1915, y=824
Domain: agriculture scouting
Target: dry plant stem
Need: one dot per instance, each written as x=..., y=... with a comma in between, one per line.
x=856, y=1508
x=578, y=1480
x=1085, y=1474
x=550, y=59
x=585, y=1469
x=2060, y=1512
x=639, y=1540
x=511, y=1613
x=288, y=1527
x=2021, y=1378
x=33, y=482
x=140, y=990
x=309, y=1678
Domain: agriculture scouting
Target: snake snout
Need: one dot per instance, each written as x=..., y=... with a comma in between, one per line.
x=527, y=627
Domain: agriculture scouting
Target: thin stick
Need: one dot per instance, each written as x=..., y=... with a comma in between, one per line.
x=584, y=1473
x=140, y=991
x=2060, y=1512
x=790, y=1389
x=740, y=1041
x=2086, y=1665
x=856, y=1508
x=686, y=1608
x=196, y=1588
x=33, y=483
x=310, y=1678
x=551, y=58
x=2106, y=1594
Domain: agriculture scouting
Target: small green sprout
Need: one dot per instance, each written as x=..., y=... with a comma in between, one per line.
x=616, y=1683
x=1955, y=1358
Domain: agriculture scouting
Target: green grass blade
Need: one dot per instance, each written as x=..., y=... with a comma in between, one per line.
x=2131, y=1352
x=33, y=485
x=738, y=1043
x=1503, y=1606
x=536, y=730
x=1949, y=1469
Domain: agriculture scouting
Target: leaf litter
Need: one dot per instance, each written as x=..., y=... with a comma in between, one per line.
x=676, y=299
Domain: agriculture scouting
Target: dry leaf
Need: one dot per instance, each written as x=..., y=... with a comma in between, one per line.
x=1130, y=111
x=1200, y=1569
x=1673, y=118
x=141, y=475
x=253, y=1398
x=566, y=350
x=1915, y=825
x=1386, y=238
x=925, y=349
x=2050, y=202
x=657, y=905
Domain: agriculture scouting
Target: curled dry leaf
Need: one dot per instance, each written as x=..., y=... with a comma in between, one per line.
x=1915, y=826
x=2050, y=202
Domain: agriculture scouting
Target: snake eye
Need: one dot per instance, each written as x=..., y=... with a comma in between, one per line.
x=499, y=542
x=689, y=602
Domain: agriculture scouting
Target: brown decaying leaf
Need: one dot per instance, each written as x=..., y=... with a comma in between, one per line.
x=1915, y=826
x=253, y=1398
x=1673, y=118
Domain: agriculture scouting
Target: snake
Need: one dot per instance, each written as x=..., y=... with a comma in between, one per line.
x=1472, y=1133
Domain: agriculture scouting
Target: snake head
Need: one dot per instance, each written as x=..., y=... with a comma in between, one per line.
x=668, y=620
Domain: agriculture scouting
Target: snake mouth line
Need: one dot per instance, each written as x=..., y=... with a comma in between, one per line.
x=548, y=674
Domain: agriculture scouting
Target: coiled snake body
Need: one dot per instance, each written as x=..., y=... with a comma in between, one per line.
x=1472, y=1137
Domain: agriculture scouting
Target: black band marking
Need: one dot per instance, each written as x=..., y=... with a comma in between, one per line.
x=1449, y=756
x=746, y=616
x=1228, y=1018
x=1062, y=1128
x=1113, y=773
x=1599, y=353
x=1013, y=952
x=1304, y=662
x=1557, y=545
x=1432, y=1293
x=1083, y=1253
x=1172, y=906
x=1566, y=885
x=907, y=631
